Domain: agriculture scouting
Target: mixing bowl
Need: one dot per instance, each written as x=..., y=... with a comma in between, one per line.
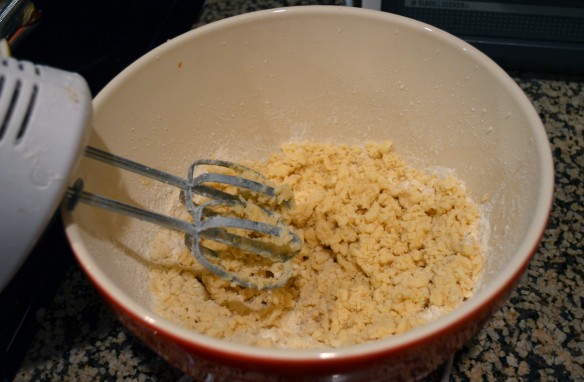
x=238, y=88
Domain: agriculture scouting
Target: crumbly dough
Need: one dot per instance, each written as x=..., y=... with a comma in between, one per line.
x=386, y=247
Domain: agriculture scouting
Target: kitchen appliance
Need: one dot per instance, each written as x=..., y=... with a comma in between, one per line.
x=529, y=35
x=44, y=114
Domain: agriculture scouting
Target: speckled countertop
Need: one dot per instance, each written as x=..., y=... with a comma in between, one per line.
x=536, y=336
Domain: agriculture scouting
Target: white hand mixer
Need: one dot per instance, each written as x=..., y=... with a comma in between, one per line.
x=44, y=119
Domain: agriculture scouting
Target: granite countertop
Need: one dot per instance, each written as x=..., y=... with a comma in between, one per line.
x=537, y=335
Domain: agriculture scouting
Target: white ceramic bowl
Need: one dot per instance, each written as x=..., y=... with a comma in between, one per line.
x=244, y=85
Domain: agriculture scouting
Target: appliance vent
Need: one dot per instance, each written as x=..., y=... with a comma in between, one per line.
x=11, y=94
x=27, y=114
x=11, y=106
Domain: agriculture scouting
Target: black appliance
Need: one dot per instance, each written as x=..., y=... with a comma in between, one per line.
x=526, y=35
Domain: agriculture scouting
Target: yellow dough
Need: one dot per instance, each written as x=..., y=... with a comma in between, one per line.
x=386, y=247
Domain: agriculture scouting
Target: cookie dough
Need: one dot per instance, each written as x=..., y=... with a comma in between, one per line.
x=386, y=247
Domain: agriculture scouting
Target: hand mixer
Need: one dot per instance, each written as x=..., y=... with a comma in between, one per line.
x=44, y=115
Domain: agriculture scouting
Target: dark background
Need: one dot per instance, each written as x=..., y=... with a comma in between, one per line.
x=96, y=39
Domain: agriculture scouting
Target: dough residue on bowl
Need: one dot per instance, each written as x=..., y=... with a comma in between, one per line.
x=386, y=247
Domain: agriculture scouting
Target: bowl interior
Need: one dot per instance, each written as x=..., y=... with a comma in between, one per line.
x=239, y=88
